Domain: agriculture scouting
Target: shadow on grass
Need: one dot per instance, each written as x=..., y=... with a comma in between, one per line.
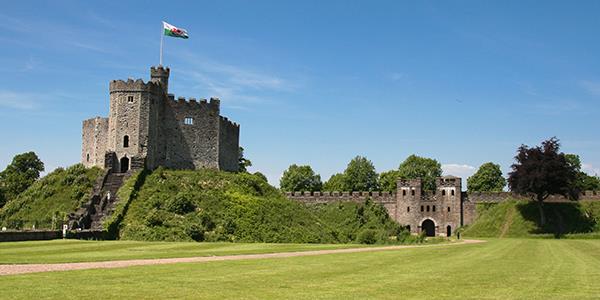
x=561, y=218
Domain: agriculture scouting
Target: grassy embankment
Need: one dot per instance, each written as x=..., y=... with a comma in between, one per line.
x=521, y=219
x=203, y=205
x=498, y=269
x=207, y=205
x=46, y=203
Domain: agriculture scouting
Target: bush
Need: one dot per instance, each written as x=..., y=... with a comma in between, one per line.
x=370, y=236
x=181, y=204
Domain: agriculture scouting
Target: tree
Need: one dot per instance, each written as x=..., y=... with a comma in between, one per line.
x=336, y=183
x=300, y=178
x=584, y=182
x=421, y=167
x=360, y=175
x=243, y=163
x=388, y=180
x=22, y=172
x=487, y=179
x=543, y=171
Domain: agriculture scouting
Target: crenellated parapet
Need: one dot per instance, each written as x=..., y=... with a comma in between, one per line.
x=230, y=123
x=192, y=104
x=330, y=197
x=130, y=85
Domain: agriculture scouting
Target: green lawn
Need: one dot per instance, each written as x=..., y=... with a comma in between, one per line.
x=59, y=251
x=498, y=269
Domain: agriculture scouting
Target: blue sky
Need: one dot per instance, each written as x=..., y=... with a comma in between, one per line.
x=317, y=82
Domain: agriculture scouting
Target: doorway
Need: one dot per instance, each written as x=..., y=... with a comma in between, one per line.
x=428, y=227
x=124, y=164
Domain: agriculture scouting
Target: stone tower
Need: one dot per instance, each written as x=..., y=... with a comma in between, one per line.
x=148, y=128
x=435, y=212
x=160, y=75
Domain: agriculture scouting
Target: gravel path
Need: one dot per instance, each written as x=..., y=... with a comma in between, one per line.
x=35, y=268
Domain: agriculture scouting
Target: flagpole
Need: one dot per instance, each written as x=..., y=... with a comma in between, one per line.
x=161, y=44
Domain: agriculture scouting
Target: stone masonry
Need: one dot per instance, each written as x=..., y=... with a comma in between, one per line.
x=147, y=128
x=436, y=213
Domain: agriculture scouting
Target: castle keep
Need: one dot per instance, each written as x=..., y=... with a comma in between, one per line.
x=147, y=128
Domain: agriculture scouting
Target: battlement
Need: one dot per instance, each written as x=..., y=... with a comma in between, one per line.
x=159, y=71
x=448, y=181
x=131, y=85
x=409, y=182
x=193, y=104
x=329, y=197
x=227, y=121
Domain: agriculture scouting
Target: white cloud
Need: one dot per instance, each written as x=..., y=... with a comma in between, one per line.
x=592, y=87
x=236, y=85
x=16, y=100
x=590, y=169
x=463, y=171
x=396, y=76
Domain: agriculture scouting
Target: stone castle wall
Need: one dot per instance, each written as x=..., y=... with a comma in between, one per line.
x=191, y=146
x=388, y=200
x=94, y=138
x=447, y=206
x=229, y=146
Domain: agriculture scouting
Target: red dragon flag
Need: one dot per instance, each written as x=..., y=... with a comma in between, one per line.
x=170, y=30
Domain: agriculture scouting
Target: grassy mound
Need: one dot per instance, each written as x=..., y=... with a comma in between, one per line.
x=46, y=203
x=207, y=205
x=521, y=219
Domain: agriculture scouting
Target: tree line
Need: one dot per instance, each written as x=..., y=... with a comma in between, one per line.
x=537, y=173
x=360, y=175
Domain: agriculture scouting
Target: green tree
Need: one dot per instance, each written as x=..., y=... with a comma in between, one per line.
x=421, y=167
x=543, y=171
x=300, y=178
x=487, y=179
x=243, y=163
x=360, y=175
x=22, y=172
x=336, y=183
x=387, y=180
x=584, y=182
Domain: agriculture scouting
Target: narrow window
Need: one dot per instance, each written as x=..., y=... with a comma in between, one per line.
x=403, y=192
x=443, y=192
x=427, y=207
x=130, y=99
x=87, y=157
x=188, y=121
x=408, y=209
x=421, y=208
x=448, y=208
x=452, y=192
x=433, y=208
x=126, y=141
x=412, y=192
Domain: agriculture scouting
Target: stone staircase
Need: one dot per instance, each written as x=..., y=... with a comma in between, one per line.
x=92, y=214
x=106, y=205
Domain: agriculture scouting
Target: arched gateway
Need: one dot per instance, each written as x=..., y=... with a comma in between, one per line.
x=428, y=227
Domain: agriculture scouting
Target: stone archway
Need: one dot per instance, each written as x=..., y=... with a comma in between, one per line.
x=124, y=164
x=428, y=226
x=448, y=231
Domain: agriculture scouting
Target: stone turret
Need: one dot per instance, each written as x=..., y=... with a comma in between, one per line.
x=160, y=75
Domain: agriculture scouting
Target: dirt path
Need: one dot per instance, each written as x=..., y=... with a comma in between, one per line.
x=508, y=222
x=35, y=268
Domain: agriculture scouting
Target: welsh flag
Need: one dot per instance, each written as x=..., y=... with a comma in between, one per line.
x=173, y=31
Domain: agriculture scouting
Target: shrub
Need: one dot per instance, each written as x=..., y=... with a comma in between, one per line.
x=181, y=204
x=370, y=236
